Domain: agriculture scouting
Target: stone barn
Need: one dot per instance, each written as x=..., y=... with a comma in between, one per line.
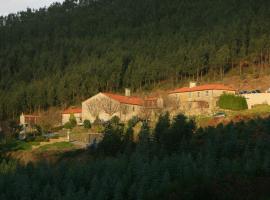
x=106, y=105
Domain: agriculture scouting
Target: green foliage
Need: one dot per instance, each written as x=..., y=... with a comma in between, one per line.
x=87, y=124
x=68, y=125
x=16, y=145
x=162, y=127
x=72, y=120
x=232, y=102
x=213, y=163
x=178, y=134
x=57, y=146
x=133, y=121
x=115, y=120
x=112, y=140
x=123, y=43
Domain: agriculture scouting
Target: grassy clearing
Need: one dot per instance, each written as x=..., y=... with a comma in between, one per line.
x=256, y=111
x=17, y=145
x=57, y=146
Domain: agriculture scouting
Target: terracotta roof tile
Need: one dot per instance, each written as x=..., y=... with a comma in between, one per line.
x=125, y=99
x=202, y=88
x=72, y=111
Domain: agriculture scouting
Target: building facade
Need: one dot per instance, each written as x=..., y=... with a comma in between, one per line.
x=76, y=112
x=257, y=99
x=106, y=105
x=195, y=99
x=28, y=122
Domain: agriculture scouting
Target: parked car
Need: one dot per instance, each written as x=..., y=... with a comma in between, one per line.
x=243, y=92
x=255, y=91
x=219, y=115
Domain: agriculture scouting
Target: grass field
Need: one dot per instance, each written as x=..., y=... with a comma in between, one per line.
x=256, y=111
x=57, y=146
x=16, y=145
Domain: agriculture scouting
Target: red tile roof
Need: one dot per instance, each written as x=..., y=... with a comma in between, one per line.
x=72, y=111
x=125, y=99
x=202, y=88
x=151, y=98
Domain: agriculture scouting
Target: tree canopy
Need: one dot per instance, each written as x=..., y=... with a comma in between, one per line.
x=67, y=52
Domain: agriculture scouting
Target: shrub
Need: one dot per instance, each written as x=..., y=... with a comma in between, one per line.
x=133, y=121
x=232, y=102
x=87, y=124
x=68, y=125
x=115, y=120
x=72, y=120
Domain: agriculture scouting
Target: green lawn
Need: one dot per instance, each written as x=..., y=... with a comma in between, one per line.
x=57, y=146
x=256, y=111
x=16, y=145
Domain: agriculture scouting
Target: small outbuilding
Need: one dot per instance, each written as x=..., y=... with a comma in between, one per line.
x=76, y=112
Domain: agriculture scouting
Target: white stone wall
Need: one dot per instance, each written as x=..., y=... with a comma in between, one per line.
x=91, y=108
x=22, y=119
x=256, y=99
x=66, y=117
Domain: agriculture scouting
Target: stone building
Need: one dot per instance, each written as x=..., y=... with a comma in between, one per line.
x=27, y=123
x=106, y=105
x=66, y=114
x=195, y=99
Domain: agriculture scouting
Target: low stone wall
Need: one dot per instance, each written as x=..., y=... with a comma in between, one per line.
x=257, y=98
x=87, y=138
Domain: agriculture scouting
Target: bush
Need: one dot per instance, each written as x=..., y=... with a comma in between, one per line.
x=68, y=125
x=87, y=124
x=115, y=120
x=133, y=121
x=72, y=120
x=232, y=102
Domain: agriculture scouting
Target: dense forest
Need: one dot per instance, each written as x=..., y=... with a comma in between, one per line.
x=59, y=55
x=173, y=161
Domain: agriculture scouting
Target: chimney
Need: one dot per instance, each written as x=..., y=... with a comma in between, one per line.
x=127, y=92
x=192, y=84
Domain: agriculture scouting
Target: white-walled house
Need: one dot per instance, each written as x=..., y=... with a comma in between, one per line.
x=77, y=112
x=106, y=105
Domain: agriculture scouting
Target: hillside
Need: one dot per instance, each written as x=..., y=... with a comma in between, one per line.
x=61, y=55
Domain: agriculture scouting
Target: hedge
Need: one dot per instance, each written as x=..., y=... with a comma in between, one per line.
x=232, y=102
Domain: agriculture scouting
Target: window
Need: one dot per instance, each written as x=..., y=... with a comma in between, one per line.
x=133, y=108
x=207, y=93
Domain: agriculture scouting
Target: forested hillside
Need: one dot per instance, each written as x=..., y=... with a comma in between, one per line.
x=63, y=54
x=174, y=161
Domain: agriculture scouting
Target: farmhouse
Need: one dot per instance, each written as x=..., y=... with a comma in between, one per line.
x=197, y=99
x=106, y=105
x=76, y=112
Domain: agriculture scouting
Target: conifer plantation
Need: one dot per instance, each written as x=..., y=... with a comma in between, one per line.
x=68, y=52
x=173, y=161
